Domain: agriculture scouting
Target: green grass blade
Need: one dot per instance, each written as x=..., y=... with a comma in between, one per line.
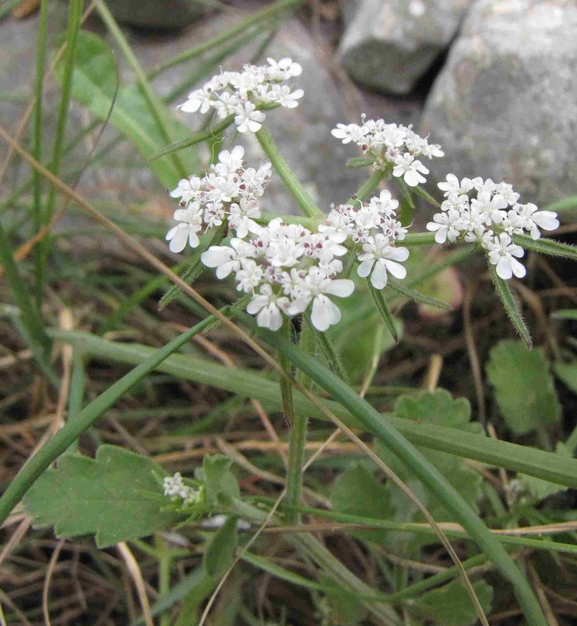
x=37, y=140
x=547, y=246
x=56, y=446
x=29, y=313
x=299, y=193
x=424, y=470
x=248, y=384
x=74, y=22
x=506, y=296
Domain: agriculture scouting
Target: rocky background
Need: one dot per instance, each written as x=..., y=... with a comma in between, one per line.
x=492, y=81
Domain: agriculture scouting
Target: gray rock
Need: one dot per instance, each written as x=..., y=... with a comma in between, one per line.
x=156, y=13
x=505, y=105
x=389, y=44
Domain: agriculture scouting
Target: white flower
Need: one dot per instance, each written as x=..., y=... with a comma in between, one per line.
x=229, y=162
x=377, y=257
x=191, y=219
x=267, y=304
x=316, y=287
x=348, y=132
x=547, y=220
x=284, y=69
x=241, y=217
x=174, y=487
x=225, y=259
x=188, y=189
x=502, y=253
x=409, y=168
x=197, y=100
x=249, y=276
x=453, y=186
x=446, y=225
x=248, y=118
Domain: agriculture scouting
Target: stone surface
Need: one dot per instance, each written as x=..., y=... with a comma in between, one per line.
x=156, y=13
x=389, y=44
x=505, y=105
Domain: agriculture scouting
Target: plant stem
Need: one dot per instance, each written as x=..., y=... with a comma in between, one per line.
x=363, y=193
x=299, y=193
x=37, y=147
x=297, y=438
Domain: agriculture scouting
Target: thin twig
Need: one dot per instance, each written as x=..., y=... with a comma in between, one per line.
x=47, y=580
x=138, y=580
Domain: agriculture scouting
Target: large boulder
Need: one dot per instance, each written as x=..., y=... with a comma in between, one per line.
x=157, y=13
x=505, y=105
x=389, y=44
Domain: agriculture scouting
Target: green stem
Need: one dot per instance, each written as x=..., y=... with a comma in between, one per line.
x=56, y=446
x=74, y=19
x=367, y=187
x=424, y=470
x=37, y=147
x=299, y=193
x=329, y=351
x=297, y=437
x=427, y=197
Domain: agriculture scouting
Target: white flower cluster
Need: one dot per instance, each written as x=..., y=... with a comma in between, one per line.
x=229, y=190
x=491, y=219
x=242, y=93
x=173, y=488
x=288, y=268
x=375, y=226
x=392, y=145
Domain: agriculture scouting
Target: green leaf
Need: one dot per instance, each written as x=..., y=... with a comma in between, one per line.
x=220, y=553
x=94, y=84
x=358, y=492
x=451, y=605
x=383, y=309
x=221, y=484
x=567, y=372
x=105, y=496
x=547, y=246
x=524, y=386
x=356, y=162
x=510, y=305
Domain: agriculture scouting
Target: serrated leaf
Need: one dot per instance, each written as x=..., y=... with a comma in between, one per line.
x=94, y=84
x=220, y=553
x=510, y=305
x=356, y=162
x=541, y=489
x=524, y=386
x=547, y=246
x=358, y=492
x=221, y=484
x=451, y=605
x=105, y=496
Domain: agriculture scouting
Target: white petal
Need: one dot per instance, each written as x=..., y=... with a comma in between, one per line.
x=547, y=220
x=275, y=318
x=342, y=288
x=396, y=269
x=323, y=313
x=215, y=256
x=193, y=239
x=190, y=106
x=379, y=275
x=400, y=254
x=178, y=236
x=256, y=304
x=504, y=267
x=365, y=267
x=518, y=268
x=413, y=178
x=263, y=318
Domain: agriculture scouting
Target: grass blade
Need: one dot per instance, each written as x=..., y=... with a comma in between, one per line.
x=506, y=296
